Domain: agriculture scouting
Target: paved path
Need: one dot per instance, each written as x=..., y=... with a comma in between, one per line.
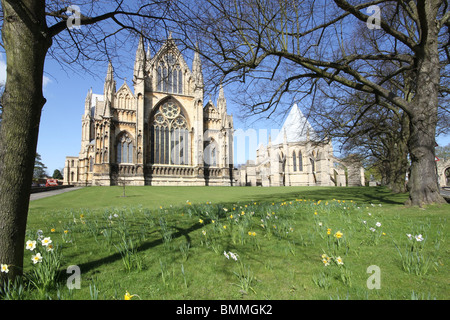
x=44, y=194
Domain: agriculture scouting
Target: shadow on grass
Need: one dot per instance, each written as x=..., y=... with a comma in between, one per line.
x=92, y=265
x=366, y=195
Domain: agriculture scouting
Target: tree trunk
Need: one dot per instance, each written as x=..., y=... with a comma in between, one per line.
x=26, y=46
x=423, y=184
x=398, y=168
x=400, y=164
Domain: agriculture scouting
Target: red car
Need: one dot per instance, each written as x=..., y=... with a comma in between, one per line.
x=51, y=183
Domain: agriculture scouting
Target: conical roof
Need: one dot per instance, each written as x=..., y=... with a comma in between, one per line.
x=296, y=128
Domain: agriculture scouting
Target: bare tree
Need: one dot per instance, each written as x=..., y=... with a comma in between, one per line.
x=31, y=31
x=290, y=47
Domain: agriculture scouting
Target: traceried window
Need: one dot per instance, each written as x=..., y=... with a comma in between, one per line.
x=294, y=160
x=300, y=161
x=169, y=135
x=169, y=75
x=124, y=149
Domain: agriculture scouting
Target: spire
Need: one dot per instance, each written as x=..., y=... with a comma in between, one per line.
x=110, y=83
x=110, y=73
x=139, y=63
x=109, y=90
x=197, y=69
x=221, y=101
x=88, y=102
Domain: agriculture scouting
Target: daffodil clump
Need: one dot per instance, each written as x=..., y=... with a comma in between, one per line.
x=46, y=261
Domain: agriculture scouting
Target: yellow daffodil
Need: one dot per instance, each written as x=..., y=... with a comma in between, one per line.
x=129, y=296
x=338, y=234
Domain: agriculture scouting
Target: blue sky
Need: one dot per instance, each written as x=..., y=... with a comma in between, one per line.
x=65, y=91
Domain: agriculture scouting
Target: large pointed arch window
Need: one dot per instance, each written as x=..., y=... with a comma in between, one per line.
x=300, y=161
x=124, y=149
x=294, y=161
x=169, y=76
x=169, y=135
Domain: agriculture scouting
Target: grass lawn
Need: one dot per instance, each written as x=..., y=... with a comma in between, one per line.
x=289, y=242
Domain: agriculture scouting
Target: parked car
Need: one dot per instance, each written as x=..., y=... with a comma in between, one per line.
x=51, y=183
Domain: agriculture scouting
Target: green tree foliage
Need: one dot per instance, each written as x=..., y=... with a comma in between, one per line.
x=39, y=168
x=57, y=174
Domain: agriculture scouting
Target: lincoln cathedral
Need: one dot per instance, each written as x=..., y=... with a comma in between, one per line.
x=163, y=133
x=159, y=133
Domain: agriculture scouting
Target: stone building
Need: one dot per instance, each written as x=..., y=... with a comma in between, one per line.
x=443, y=172
x=159, y=132
x=297, y=157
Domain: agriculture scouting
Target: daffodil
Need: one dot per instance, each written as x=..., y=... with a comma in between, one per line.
x=4, y=268
x=36, y=258
x=46, y=241
x=339, y=260
x=129, y=296
x=200, y=220
x=328, y=231
x=224, y=227
x=338, y=235
x=233, y=256
x=31, y=245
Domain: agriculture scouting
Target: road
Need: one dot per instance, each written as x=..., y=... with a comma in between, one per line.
x=40, y=195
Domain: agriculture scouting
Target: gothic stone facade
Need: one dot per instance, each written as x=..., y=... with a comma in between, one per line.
x=160, y=133
x=297, y=157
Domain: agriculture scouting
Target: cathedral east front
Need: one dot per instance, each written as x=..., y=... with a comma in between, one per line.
x=159, y=133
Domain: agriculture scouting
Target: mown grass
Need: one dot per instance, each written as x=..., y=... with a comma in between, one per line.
x=169, y=243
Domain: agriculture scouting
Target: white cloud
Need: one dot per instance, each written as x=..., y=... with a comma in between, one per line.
x=45, y=80
x=2, y=69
